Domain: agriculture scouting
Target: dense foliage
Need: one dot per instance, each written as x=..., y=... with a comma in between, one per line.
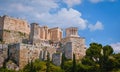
x=41, y=66
x=100, y=58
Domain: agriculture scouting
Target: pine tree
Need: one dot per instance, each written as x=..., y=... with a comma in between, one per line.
x=74, y=64
x=48, y=62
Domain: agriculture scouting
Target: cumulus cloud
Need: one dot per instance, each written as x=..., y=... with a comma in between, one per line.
x=71, y=3
x=39, y=11
x=97, y=26
x=97, y=1
x=34, y=6
x=64, y=18
x=116, y=47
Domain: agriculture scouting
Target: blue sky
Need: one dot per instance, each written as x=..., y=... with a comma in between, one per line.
x=97, y=20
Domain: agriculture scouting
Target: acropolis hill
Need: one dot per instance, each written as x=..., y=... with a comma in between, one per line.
x=23, y=43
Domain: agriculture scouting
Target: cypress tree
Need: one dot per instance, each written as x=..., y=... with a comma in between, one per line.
x=32, y=69
x=74, y=64
x=48, y=62
x=63, y=61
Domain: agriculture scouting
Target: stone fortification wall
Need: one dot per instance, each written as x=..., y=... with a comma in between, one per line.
x=14, y=36
x=74, y=45
x=15, y=24
x=25, y=53
x=45, y=49
x=73, y=39
x=13, y=30
x=51, y=50
x=28, y=53
x=79, y=48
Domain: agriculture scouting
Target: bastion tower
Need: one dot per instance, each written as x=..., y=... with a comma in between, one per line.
x=74, y=44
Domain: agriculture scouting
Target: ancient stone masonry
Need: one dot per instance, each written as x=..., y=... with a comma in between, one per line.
x=24, y=44
x=44, y=33
x=25, y=53
x=15, y=24
x=13, y=30
x=72, y=32
x=73, y=44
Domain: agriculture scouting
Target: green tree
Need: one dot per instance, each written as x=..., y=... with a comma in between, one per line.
x=106, y=61
x=63, y=61
x=74, y=64
x=29, y=67
x=99, y=57
x=117, y=60
x=48, y=63
x=6, y=70
x=94, y=52
x=36, y=66
x=68, y=66
x=54, y=68
x=107, y=50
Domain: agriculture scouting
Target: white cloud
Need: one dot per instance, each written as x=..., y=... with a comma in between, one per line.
x=98, y=1
x=45, y=4
x=97, y=26
x=39, y=11
x=64, y=18
x=34, y=6
x=95, y=1
x=71, y=3
x=116, y=47
x=20, y=7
